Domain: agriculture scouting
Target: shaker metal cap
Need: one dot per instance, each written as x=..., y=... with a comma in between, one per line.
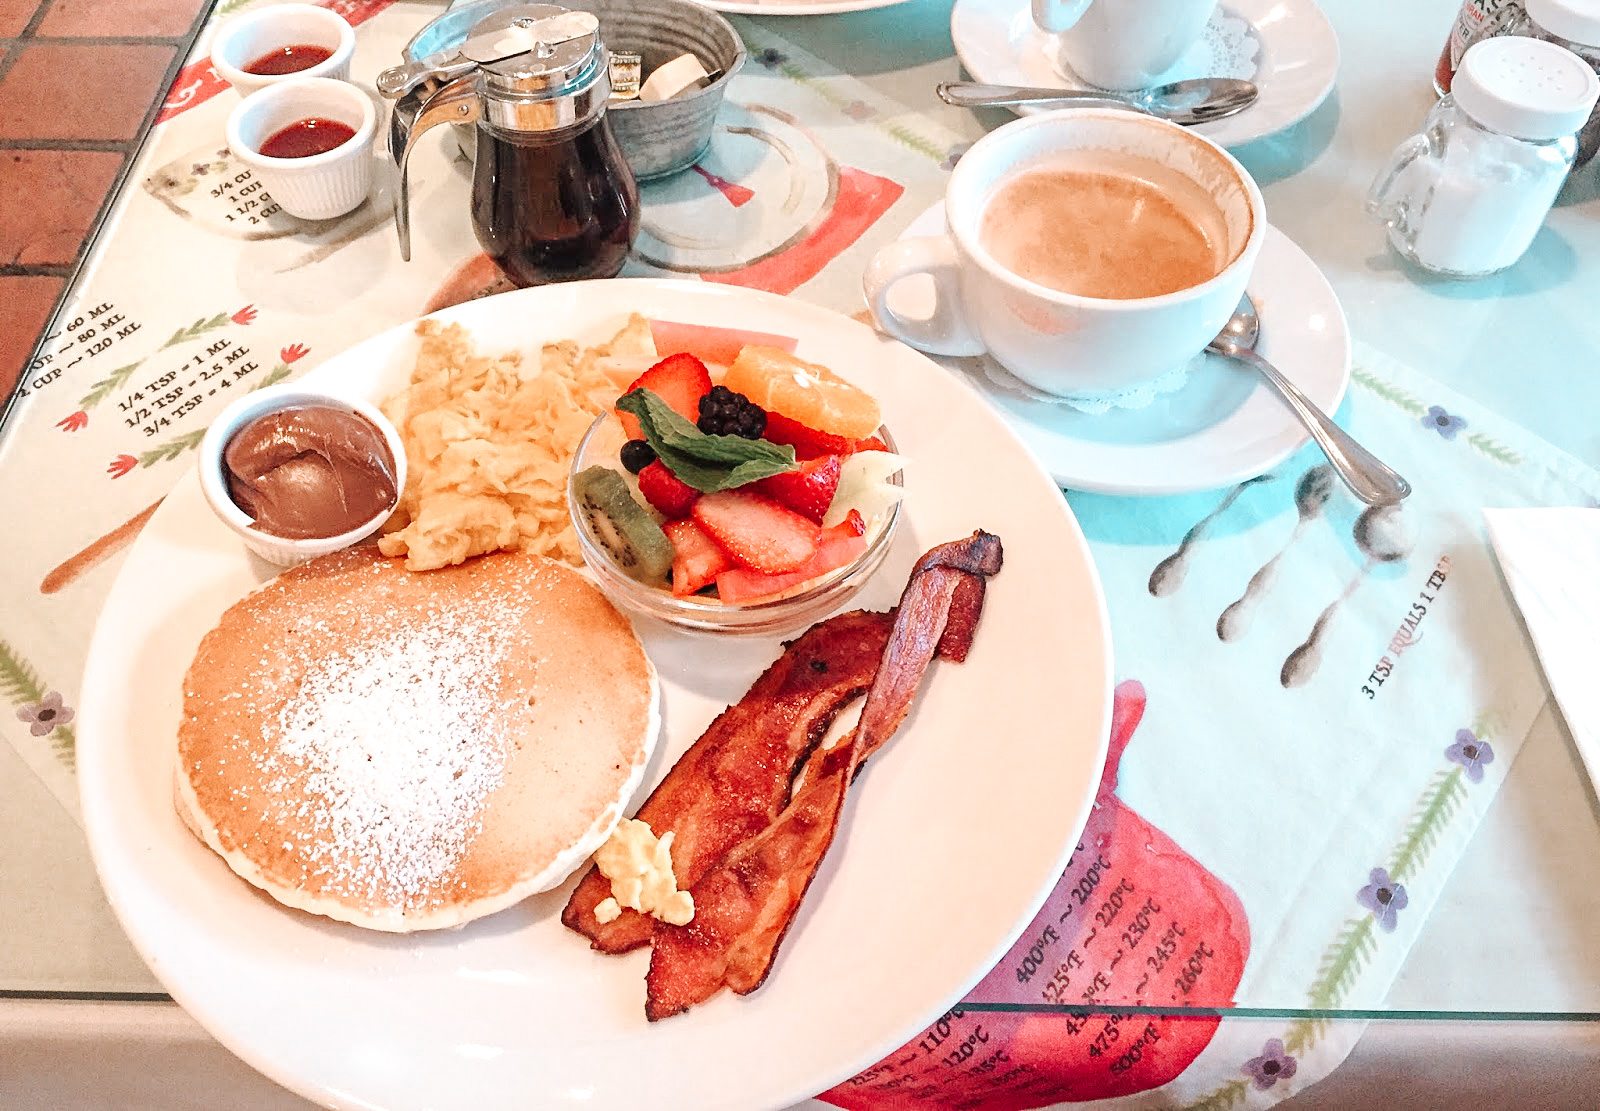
x=1526, y=88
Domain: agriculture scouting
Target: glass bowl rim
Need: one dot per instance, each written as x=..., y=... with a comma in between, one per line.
x=709, y=614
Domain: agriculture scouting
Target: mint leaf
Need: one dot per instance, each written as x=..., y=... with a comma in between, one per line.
x=708, y=463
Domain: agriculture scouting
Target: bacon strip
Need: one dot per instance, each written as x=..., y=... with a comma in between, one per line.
x=746, y=903
x=966, y=606
x=735, y=780
x=744, y=906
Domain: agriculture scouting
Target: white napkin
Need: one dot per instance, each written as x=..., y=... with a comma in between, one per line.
x=1551, y=562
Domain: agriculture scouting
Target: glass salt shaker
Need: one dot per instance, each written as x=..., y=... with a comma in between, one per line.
x=1466, y=197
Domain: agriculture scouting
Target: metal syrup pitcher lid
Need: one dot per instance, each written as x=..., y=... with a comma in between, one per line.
x=559, y=45
x=565, y=59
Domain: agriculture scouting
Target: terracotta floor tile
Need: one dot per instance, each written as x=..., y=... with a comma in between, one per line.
x=75, y=181
x=71, y=91
x=25, y=305
x=14, y=16
x=153, y=18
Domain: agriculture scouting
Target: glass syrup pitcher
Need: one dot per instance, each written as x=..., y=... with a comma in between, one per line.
x=553, y=197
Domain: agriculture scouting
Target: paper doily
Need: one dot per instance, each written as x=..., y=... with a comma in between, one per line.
x=1094, y=404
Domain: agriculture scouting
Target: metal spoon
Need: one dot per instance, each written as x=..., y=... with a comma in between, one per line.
x=1368, y=477
x=1194, y=101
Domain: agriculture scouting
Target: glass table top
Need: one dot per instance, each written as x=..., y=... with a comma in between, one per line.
x=1511, y=934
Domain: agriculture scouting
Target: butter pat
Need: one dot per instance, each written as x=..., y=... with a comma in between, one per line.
x=673, y=77
x=640, y=870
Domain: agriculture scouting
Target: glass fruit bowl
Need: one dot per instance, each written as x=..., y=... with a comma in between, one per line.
x=797, y=607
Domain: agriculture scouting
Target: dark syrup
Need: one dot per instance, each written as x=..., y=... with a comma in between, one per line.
x=303, y=138
x=561, y=208
x=289, y=59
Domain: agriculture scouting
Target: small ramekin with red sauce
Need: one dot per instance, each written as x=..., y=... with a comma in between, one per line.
x=309, y=140
x=273, y=44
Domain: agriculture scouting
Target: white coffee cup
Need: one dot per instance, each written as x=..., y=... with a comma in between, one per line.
x=1071, y=344
x=1122, y=44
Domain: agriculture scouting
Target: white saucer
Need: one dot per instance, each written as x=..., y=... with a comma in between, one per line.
x=797, y=7
x=1296, y=58
x=1224, y=426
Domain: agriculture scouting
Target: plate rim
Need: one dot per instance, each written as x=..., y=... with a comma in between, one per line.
x=100, y=825
x=1229, y=132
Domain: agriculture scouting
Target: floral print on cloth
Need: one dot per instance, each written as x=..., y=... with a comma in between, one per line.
x=1471, y=753
x=1271, y=1066
x=1384, y=898
x=46, y=715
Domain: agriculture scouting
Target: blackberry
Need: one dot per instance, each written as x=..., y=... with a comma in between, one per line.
x=636, y=455
x=725, y=413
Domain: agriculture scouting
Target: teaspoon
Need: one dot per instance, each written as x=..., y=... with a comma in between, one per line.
x=1193, y=101
x=1368, y=477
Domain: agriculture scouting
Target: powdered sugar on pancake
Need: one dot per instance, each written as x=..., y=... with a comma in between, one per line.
x=398, y=749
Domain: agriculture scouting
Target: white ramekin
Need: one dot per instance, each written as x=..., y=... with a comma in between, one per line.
x=280, y=550
x=324, y=185
x=241, y=41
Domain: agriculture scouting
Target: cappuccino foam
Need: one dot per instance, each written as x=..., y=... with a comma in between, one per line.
x=1105, y=224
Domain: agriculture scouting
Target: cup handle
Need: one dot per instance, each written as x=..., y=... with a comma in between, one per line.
x=947, y=331
x=1381, y=199
x=1058, y=15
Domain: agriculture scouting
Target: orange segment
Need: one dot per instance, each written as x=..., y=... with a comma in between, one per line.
x=811, y=394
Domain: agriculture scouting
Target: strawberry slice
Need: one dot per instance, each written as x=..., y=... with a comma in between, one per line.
x=671, y=495
x=807, y=490
x=808, y=443
x=852, y=525
x=696, y=558
x=680, y=380
x=838, y=547
x=757, y=532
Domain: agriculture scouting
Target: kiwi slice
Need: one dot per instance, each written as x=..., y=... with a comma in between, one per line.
x=625, y=530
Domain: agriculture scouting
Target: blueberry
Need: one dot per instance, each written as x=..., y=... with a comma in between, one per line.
x=637, y=455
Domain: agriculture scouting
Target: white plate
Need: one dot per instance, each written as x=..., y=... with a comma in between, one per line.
x=1295, y=66
x=975, y=805
x=1223, y=426
x=797, y=7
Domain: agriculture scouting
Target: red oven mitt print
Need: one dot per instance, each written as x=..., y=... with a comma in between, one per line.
x=1134, y=921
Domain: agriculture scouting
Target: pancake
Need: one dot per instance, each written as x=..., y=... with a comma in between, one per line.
x=410, y=751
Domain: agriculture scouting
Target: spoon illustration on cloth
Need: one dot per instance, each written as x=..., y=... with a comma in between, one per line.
x=1311, y=494
x=1197, y=100
x=1368, y=477
x=1169, y=574
x=1383, y=536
